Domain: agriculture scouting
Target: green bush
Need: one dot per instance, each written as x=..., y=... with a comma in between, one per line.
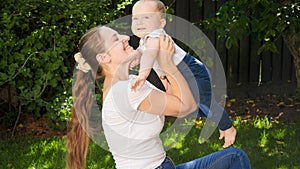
x=38, y=41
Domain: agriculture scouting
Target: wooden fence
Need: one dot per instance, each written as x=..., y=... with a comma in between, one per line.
x=242, y=64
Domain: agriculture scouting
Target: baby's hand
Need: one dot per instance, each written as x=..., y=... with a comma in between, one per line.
x=229, y=136
x=138, y=82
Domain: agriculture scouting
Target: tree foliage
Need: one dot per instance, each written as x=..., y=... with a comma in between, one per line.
x=38, y=41
x=264, y=20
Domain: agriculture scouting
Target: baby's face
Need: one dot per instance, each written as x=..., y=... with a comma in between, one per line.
x=146, y=18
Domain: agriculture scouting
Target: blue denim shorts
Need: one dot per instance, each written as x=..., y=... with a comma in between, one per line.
x=167, y=164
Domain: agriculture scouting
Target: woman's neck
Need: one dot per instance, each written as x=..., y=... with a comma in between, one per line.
x=119, y=74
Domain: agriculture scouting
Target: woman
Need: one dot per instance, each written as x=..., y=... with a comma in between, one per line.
x=132, y=120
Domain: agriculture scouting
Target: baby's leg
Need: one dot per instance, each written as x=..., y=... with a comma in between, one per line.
x=198, y=78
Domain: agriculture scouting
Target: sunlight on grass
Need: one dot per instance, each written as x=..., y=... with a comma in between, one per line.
x=263, y=139
x=52, y=150
x=173, y=139
x=33, y=153
x=263, y=123
x=269, y=144
x=279, y=134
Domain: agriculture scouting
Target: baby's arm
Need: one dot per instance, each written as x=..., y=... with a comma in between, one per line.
x=146, y=62
x=136, y=61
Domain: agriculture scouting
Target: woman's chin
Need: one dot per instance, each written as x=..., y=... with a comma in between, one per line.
x=130, y=58
x=130, y=51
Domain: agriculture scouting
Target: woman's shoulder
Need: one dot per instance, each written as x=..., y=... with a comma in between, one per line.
x=124, y=86
x=121, y=92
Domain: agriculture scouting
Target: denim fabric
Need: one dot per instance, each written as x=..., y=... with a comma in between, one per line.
x=197, y=76
x=167, y=164
x=229, y=158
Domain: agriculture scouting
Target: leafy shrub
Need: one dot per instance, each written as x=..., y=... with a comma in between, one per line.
x=62, y=113
x=38, y=41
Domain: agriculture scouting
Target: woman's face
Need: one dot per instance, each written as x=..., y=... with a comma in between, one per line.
x=117, y=46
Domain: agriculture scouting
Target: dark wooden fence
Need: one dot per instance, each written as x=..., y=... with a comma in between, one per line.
x=242, y=64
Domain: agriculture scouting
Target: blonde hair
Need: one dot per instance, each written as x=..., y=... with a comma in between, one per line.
x=78, y=139
x=160, y=6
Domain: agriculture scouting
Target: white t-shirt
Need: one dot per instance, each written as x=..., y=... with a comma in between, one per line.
x=178, y=54
x=132, y=135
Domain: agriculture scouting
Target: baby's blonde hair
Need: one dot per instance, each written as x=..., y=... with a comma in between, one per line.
x=160, y=6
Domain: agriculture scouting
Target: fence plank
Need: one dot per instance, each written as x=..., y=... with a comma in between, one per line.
x=208, y=8
x=244, y=54
x=195, y=11
x=232, y=71
x=286, y=64
x=209, y=11
x=266, y=74
x=277, y=61
x=254, y=61
x=181, y=11
x=222, y=52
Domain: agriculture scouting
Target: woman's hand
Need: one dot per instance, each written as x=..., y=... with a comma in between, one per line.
x=229, y=136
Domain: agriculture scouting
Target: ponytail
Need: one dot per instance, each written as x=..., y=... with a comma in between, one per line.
x=78, y=138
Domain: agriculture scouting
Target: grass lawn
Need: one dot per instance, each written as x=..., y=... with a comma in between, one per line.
x=269, y=145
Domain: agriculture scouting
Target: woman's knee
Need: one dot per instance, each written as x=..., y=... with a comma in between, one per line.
x=237, y=151
x=241, y=156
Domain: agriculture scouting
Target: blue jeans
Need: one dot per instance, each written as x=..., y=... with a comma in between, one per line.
x=229, y=158
x=197, y=76
x=167, y=164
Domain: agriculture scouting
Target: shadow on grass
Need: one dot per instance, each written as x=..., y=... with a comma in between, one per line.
x=268, y=144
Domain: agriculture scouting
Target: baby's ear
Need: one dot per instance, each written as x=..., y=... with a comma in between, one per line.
x=163, y=22
x=103, y=58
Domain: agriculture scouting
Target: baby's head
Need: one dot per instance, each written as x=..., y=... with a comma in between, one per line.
x=147, y=16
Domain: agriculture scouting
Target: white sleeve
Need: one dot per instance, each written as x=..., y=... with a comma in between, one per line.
x=124, y=100
x=136, y=97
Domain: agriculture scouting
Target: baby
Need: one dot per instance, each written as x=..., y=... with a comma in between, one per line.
x=148, y=21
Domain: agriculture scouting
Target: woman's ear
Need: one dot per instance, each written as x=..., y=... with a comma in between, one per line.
x=103, y=58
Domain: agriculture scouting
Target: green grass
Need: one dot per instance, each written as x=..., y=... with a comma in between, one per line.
x=268, y=144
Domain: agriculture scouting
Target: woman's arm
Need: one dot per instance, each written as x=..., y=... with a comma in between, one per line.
x=180, y=102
